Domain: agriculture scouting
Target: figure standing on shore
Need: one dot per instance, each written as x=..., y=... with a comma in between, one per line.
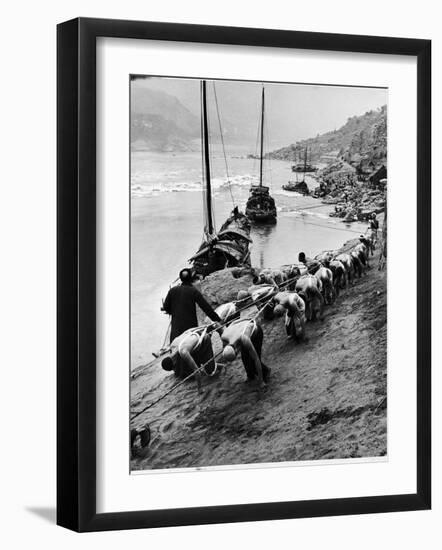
x=180, y=303
x=374, y=226
x=246, y=336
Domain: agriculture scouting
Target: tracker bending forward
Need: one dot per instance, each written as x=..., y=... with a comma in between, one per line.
x=189, y=352
x=294, y=307
x=246, y=336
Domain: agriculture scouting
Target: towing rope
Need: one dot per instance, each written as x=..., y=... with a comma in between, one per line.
x=192, y=374
x=220, y=325
x=175, y=386
x=332, y=227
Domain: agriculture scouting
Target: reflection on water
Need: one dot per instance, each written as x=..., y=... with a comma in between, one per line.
x=260, y=235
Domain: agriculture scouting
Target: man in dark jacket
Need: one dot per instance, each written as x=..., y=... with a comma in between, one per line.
x=181, y=302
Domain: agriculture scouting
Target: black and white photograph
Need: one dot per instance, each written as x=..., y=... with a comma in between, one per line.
x=258, y=272
x=220, y=298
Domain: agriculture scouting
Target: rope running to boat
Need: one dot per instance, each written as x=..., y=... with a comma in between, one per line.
x=138, y=413
x=337, y=228
x=241, y=309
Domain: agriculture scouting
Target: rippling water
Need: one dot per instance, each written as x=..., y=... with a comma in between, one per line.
x=167, y=222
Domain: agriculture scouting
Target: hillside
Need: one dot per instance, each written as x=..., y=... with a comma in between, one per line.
x=157, y=133
x=361, y=138
x=159, y=122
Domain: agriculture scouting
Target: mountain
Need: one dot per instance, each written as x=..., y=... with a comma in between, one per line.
x=361, y=139
x=159, y=122
x=164, y=120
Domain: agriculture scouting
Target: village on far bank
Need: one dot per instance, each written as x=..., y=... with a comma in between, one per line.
x=357, y=189
x=352, y=164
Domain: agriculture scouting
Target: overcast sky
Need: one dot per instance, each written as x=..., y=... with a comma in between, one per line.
x=293, y=111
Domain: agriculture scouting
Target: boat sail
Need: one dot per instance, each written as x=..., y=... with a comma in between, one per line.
x=299, y=186
x=230, y=246
x=261, y=205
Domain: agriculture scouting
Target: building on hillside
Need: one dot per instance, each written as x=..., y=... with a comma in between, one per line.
x=330, y=156
x=377, y=177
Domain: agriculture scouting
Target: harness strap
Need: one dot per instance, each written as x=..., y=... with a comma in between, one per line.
x=250, y=320
x=230, y=310
x=200, y=339
x=247, y=326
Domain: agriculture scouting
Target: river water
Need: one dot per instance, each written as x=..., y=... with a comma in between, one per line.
x=167, y=225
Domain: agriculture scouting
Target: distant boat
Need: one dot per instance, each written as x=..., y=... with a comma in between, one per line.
x=230, y=246
x=304, y=166
x=299, y=186
x=261, y=206
x=300, y=168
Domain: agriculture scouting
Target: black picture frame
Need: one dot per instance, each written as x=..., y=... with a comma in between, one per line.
x=76, y=273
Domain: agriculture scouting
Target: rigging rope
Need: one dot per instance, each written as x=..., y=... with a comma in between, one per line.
x=222, y=142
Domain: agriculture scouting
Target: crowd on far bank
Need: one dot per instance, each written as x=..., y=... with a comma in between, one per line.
x=356, y=198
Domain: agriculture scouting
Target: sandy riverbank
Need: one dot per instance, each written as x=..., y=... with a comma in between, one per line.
x=326, y=398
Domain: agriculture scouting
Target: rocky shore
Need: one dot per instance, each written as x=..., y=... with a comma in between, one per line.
x=355, y=197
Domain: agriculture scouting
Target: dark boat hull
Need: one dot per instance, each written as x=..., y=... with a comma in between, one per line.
x=261, y=206
x=297, y=187
x=261, y=217
x=229, y=248
x=302, y=169
x=215, y=260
